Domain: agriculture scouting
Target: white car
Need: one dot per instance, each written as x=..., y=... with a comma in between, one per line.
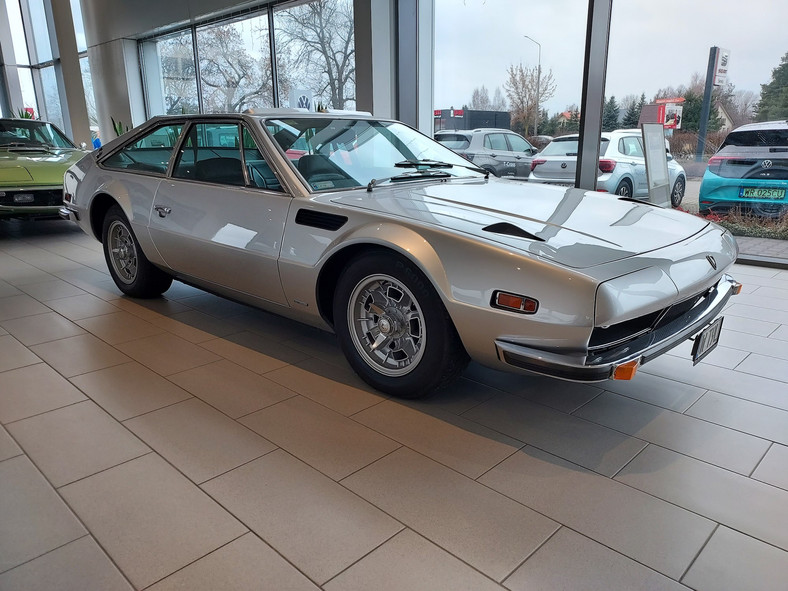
x=622, y=165
x=415, y=258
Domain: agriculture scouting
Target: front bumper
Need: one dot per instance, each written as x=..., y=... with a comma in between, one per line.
x=597, y=367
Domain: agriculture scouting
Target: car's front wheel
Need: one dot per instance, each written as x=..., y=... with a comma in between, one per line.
x=132, y=272
x=677, y=194
x=393, y=327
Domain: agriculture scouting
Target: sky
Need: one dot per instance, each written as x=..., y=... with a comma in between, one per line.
x=653, y=44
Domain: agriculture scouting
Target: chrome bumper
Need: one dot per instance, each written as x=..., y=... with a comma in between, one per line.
x=68, y=214
x=582, y=367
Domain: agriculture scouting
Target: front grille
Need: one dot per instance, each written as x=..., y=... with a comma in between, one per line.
x=41, y=198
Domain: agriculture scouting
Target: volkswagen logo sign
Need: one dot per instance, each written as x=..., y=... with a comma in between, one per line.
x=712, y=261
x=563, y=165
x=766, y=164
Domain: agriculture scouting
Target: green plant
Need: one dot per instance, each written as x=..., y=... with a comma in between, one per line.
x=743, y=223
x=118, y=126
x=24, y=114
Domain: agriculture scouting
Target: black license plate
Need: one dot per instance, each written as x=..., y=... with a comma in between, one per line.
x=706, y=341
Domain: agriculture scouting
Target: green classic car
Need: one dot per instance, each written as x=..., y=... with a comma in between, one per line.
x=34, y=155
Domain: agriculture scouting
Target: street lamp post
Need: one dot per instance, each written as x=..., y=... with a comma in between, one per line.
x=538, y=81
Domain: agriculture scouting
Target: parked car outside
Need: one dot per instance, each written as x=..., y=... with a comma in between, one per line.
x=750, y=171
x=499, y=151
x=415, y=258
x=622, y=165
x=33, y=157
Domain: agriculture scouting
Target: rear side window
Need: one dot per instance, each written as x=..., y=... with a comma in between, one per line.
x=211, y=154
x=495, y=141
x=630, y=146
x=760, y=138
x=151, y=153
x=454, y=141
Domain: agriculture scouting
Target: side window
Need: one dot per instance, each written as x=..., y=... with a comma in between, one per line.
x=630, y=146
x=259, y=171
x=211, y=154
x=518, y=144
x=150, y=153
x=495, y=141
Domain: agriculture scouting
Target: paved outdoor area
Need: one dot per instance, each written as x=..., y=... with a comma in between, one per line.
x=193, y=443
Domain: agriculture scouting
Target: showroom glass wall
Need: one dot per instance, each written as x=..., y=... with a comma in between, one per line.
x=34, y=61
x=227, y=65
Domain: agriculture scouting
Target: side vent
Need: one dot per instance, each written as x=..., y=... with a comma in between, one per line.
x=511, y=230
x=319, y=219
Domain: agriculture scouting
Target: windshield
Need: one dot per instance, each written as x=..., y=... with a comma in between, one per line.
x=760, y=138
x=568, y=147
x=25, y=133
x=341, y=153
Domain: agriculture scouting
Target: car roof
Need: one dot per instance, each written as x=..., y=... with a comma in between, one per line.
x=477, y=130
x=271, y=113
x=763, y=125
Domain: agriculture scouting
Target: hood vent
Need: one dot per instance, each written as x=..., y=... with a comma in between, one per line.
x=511, y=230
x=319, y=219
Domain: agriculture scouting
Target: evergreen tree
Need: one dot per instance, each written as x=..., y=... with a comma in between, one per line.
x=610, y=115
x=774, y=95
x=573, y=125
x=690, y=117
x=631, y=117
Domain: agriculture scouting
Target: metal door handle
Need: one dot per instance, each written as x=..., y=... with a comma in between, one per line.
x=162, y=210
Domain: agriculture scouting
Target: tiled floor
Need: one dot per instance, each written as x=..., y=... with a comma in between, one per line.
x=193, y=443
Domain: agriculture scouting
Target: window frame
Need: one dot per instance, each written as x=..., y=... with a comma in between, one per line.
x=102, y=159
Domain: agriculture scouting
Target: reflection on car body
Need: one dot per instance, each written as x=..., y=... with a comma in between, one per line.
x=416, y=259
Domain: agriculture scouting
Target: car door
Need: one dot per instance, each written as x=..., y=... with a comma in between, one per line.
x=498, y=151
x=522, y=152
x=632, y=150
x=219, y=217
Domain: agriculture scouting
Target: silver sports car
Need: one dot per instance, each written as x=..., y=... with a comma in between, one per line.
x=413, y=257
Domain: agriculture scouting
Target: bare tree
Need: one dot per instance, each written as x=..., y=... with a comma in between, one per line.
x=176, y=58
x=498, y=101
x=319, y=37
x=480, y=99
x=521, y=88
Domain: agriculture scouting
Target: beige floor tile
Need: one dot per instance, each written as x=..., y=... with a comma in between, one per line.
x=699, y=439
x=732, y=561
x=34, y=330
x=73, y=356
x=34, y=519
x=750, y=417
x=217, y=327
x=457, y=397
x=453, y=441
x=6, y=289
x=248, y=358
x=129, y=389
x=81, y=306
x=267, y=345
x=14, y=354
x=321, y=437
x=340, y=397
x=26, y=275
x=735, y=325
x=8, y=447
x=339, y=371
x=773, y=469
x=243, y=564
x=76, y=441
x=214, y=305
x=657, y=390
x=119, y=327
x=51, y=290
x=651, y=531
x=32, y=390
x=409, y=562
x=78, y=566
x=572, y=561
x=181, y=329
x=761, y=365
x=320, y=344
x=597, y=448
x=150, y=519
x=770, y=346
x=198, y=440
x=749, y=506
x=232, y=389
x=476, y=524
x=312, y=521
x=167, y=354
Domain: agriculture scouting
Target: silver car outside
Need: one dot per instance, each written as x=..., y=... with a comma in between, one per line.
x=622, y=165
x=502, y=152
x=415, y=260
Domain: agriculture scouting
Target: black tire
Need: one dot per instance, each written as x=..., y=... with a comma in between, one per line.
x=131, y=271
x=385, y=299
x=624, y=188
x=769, y=210
x=677, y=194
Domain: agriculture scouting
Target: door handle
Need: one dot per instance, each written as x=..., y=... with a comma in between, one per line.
x=162, y=210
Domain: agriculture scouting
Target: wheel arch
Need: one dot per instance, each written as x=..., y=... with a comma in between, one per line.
x=99, y=207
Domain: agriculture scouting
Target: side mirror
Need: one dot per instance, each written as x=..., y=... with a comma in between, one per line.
x=83, y=145
x=669, y=156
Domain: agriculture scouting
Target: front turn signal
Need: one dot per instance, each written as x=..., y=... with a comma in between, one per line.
x=737, y=287
x=626, y=371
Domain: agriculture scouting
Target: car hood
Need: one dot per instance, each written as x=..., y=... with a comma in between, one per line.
x=573, y=227
x=21, y=167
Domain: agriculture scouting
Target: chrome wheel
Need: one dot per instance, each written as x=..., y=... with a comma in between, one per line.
x=623, y=189
x=122, y=251
x=678, y=192
x=386, y=325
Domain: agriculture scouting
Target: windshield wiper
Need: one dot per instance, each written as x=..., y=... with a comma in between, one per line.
x=33, y=146
x=426, y=163
x=416, y=174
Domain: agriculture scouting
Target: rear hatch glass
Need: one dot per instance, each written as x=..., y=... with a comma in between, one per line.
x=453, y=141
x=558, y=161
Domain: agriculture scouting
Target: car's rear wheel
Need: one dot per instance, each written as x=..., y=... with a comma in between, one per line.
x=769, y=210
x=132, y=272
x=624, y=188
x=677, y=194
x=393, y=327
